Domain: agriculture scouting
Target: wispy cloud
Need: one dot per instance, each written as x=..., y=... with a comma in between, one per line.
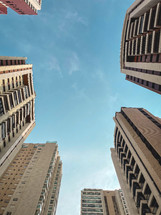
x=99, y=74
x=55, y=66
x=70, y=18
x=75, y=17
x=74, y=63
x=104, y=178
x=80, y=92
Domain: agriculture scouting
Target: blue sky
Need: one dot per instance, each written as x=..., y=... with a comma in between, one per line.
x=74, y=47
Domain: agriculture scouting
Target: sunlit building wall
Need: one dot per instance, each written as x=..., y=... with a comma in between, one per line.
x=31, y=183
x=141, y=44
x=137, y=159
x=17, y=106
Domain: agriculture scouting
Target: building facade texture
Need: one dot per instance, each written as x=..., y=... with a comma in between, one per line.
x=28, y=7
x=141, y=44
x=137, y=159
x=17, y=107
x=31, y=183
x=103, y=202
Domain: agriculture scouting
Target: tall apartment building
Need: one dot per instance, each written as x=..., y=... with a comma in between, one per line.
x=30, y=185
x=140, y=56
x=137, y=159
x=103, y=202
x=17, y=111
x=23, y=7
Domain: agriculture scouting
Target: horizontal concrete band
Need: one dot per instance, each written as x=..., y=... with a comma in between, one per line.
x=12, y=58
x=147, y=77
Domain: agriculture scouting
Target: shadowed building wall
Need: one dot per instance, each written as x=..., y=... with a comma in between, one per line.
x=137, y=159
x=141, y=44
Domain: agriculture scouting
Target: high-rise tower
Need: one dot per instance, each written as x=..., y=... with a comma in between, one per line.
x=28, y=7
x=103, y=202
x=140, y=56
x=137, y=159
x=31, y=183
x=17, y=108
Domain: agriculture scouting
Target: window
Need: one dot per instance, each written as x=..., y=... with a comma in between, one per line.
x=146, y=22
x=156, y=41
x=8, y=84
x=19, y=96
x=20, y=80
x=15, y=199
x=4, y=89
x=141, y=25
x=1, y=107
x=25, y=92
x=6, y=102
x=8, y=125
x=153, y=11
x=28, y=90
x=12, y=83
x=3, y=130
x=1, y=62
x=149, y=43
x=17, y=118
x=11, y=100
x=13, y=121
x=15, y=98
x=20, y=114
x=16, y=82
x=143, y=44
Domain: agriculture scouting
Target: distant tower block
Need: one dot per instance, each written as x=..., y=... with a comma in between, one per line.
x=23, y=7
x=140, y=56
x=137, y=159
x=103, y=202
x=17, y=106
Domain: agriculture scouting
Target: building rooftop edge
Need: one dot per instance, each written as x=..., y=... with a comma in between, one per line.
x=12, y=58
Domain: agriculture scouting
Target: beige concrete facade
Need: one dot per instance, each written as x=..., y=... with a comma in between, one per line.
x=31, y=184
x=103, y=202
x=17, y=106
x=137, y=159
x=140, y=56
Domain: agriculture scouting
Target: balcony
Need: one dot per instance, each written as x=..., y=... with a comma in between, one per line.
x=144, y=209
x=131, y=177
x=127, y=169
x=122, y=155
x=146, y=191
x=117, y=147
x=1, y=106
x=120, y=149
x=139, y=196
x=135, y=187
x=125, y=161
